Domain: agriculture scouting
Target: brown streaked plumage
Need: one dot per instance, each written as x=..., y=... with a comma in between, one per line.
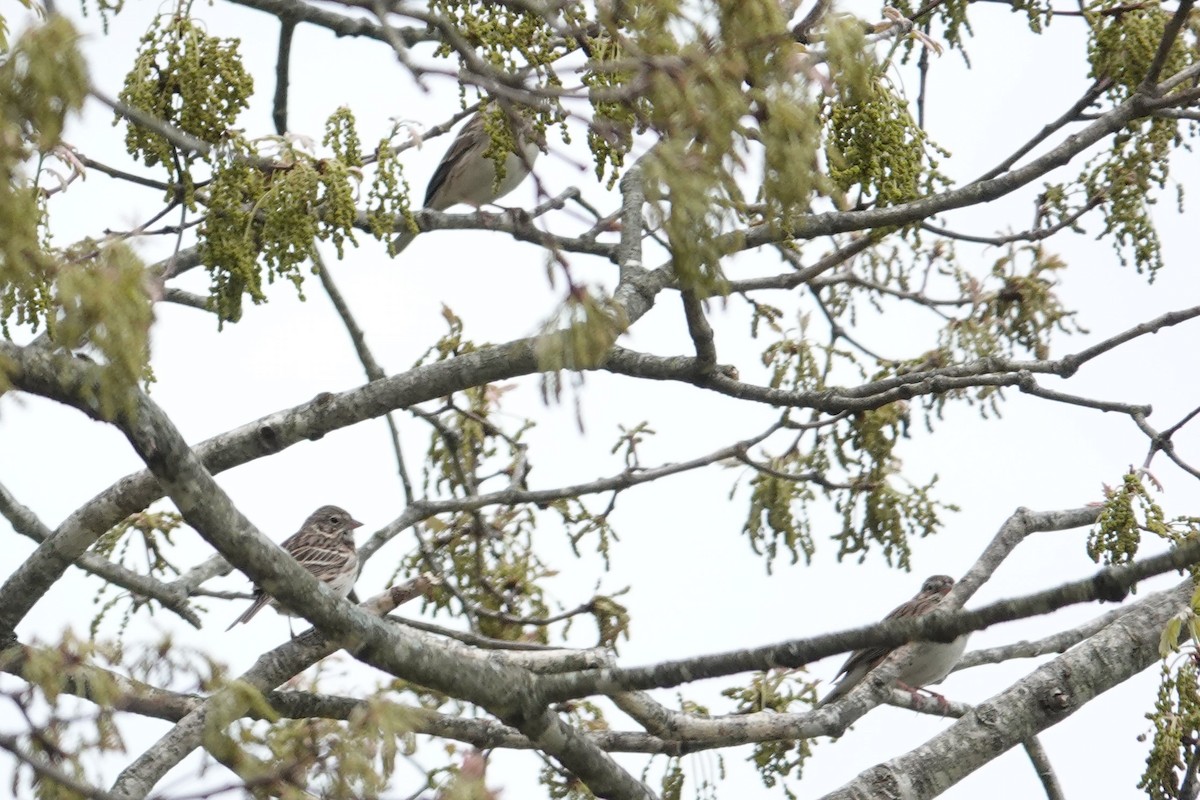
x=930, y=662
x=324, y=546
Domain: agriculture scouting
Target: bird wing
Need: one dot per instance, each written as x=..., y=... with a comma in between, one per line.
x=319, y=557
x=458, y=148
x=871, y=656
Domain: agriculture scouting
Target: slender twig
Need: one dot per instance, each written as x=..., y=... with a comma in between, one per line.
x=1171, y=431
x=847, y=278
x=50, y=772
x=1170, y=34
x=700, y=331
x=1055, y=643
x=367, y=359
x=1033, y=235
x=423, y=509
x=279, y=111
x=798, y=477
x=837, y=331
x=803, y=275
x=518, y=225
x=180, y=139
x=25, y=522
x=128, y=177
x=1160, y=443
x=397, y=43
x=1089, y=97
x=1043, y=768
x=1031, y=387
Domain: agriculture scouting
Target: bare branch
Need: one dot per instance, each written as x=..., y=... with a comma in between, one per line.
x=700, y=331
x=1072, y=115
x=1054, y=643
x=633, y=200
x=1108, y=585
x=49, y=772
x=1043, y=768
x=423, y=509
x=367, y=359
x=1046, y=697
x=25, y=522
x=1034, y=235
x=297, y=11
x=279, y=113
x=269, y=671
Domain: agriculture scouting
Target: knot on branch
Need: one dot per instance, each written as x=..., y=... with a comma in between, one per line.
x=1108, y=588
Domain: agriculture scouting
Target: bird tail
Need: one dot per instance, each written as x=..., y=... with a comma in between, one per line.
x=840, y=689
x=259, y=601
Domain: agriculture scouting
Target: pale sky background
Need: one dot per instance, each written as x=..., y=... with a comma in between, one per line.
x=697, y=588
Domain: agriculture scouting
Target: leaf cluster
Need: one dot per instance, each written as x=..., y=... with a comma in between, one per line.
x=153, y=531
x=88, y=295
x=491, y=567
x=1127, y=513
x=852, y=461
x=47, y=703
x=190, y=81
x=1121, y=49
x=776, y=691
x=1176, y=721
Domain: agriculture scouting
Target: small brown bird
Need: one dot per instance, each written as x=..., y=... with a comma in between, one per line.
x=467, y=174
x=324, y=546
x=930, y=663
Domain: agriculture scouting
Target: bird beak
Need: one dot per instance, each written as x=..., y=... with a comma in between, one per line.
x=352, y=523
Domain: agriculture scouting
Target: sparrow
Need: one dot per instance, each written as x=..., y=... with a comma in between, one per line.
x=324, y=546
x=467, y=173
x=929, y=663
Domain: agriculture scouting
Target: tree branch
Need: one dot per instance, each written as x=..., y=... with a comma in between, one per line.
x=367, y=359
x=269, y=671
x=1108, y=584
x=25, y=522
x=49, y=772
x=279, y=112
x=1043, y=768
x=502, y=690
x=975, y=193
x=1044, y=698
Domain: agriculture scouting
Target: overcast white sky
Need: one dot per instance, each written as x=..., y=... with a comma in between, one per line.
x=696, y=587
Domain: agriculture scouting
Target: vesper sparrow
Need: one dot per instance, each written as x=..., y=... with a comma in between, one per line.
x=324, y=546
x=467, y=174
x=930, y=661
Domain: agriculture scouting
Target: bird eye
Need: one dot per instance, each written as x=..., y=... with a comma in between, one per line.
x=335, y=519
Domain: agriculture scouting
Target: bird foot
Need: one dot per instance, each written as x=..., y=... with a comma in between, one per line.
x=916, y=691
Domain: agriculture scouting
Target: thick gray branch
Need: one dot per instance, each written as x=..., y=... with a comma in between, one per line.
x=1107, y=584
x=25, y=522
x=1046, y=697
x=61, y=378
x=269, y=671
x=502, y=690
